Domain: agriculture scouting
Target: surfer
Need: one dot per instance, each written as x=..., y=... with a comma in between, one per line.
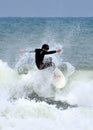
x=39, y=57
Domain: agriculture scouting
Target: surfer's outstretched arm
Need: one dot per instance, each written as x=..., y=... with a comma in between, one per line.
x=21, y=51
x=52, y=52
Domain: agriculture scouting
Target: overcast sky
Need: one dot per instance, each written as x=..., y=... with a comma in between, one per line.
x=46, y=8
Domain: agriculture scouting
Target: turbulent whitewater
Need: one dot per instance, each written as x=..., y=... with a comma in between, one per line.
x=28, y=100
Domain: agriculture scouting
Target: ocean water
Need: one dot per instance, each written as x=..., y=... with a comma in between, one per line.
x=28, y=101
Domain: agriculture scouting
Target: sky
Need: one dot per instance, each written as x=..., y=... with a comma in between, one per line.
x=46, y=8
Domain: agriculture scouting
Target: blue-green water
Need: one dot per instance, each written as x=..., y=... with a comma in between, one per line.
x=75, y=35
x=25, y=99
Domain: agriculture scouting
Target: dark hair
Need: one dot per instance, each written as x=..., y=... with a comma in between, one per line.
x=45, y=46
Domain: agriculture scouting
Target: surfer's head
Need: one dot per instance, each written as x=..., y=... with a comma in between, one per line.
x=45, y=47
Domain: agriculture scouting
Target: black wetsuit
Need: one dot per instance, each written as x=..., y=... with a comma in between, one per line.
x=39, y=57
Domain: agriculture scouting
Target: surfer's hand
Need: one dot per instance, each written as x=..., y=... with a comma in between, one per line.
x=58, y=51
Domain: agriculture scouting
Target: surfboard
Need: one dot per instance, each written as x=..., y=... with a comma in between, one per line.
x=59, y=80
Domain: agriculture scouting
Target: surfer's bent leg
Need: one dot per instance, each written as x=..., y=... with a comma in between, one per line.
x=47, y=63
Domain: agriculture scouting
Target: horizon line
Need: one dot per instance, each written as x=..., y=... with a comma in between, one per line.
x=46, y=16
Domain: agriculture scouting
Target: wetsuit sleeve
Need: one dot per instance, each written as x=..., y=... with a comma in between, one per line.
x=50, y=52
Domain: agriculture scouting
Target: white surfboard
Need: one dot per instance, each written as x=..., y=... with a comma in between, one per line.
x=59, y=80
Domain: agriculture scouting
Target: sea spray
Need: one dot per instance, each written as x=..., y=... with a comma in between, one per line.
x=75, y=37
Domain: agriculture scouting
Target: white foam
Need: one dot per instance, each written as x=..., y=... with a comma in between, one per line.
x=23, y=114
x=79, y=89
